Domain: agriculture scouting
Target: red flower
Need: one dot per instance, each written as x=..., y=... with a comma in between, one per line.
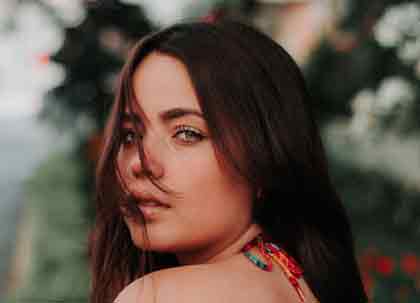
x=210, y=18
x=410, y=264
x=384, y=265
x=213, y=16
x=43, y=59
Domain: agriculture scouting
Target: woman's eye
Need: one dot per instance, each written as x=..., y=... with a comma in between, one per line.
x=188, y=134
x=128, y=137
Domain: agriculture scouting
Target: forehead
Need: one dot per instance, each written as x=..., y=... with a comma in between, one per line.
x=161, y=82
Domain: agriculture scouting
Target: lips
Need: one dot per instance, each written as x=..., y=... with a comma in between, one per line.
x=151, y=207
x=147, y=199
x=150, y=203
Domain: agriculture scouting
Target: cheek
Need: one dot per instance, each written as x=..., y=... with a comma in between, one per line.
x=198, y=173
x=210, y=194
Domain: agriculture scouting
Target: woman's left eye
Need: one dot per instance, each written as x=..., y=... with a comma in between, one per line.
x=188, y=134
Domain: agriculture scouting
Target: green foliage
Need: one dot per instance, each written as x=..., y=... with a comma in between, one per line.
x=92, y=54
x=55, y=206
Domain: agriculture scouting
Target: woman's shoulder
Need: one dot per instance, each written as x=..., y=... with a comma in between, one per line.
x=178, y=284
x=225, y=282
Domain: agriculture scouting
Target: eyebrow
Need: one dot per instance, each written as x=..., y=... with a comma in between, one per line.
x=166, y=116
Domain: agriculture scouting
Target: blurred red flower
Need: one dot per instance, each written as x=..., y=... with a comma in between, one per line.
x=213, y=16
x=410, y=264
x=384, y=265
x=43, y=59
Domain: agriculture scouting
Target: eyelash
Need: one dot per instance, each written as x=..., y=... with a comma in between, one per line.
x=188, y=129
x=179, y=130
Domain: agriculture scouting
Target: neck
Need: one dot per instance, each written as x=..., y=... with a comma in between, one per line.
x=222, y=251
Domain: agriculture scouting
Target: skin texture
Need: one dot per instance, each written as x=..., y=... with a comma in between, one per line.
x=209, y=221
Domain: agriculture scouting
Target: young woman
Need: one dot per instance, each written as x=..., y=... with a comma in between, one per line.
x=213, y=183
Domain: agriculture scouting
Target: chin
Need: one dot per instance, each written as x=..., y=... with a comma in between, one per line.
x=156, y=242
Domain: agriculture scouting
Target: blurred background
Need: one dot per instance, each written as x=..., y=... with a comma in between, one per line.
x=58, y=63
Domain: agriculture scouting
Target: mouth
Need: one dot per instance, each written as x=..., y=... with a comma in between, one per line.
x=151, y=209
x=147, y=199
x=149, y=204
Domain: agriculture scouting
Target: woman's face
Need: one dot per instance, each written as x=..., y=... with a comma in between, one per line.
x=210, y=208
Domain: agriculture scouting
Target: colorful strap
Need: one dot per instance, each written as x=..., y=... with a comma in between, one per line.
x=270, y=251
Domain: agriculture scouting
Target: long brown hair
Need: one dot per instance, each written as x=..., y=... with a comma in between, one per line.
x=253, y=96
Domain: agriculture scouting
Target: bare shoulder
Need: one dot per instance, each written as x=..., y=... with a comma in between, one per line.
x=227, y=282
x=169, y=285
x=137, y=291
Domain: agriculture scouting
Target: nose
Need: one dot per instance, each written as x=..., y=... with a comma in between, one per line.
x=154, y=167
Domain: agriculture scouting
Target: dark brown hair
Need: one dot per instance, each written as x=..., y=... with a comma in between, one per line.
x=253, y=96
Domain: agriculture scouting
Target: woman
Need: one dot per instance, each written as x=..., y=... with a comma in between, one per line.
x=213, y=183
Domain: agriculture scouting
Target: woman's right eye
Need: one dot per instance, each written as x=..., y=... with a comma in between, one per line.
x=128, y=137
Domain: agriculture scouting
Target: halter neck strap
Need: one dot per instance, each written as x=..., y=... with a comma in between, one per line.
x=271, y=252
